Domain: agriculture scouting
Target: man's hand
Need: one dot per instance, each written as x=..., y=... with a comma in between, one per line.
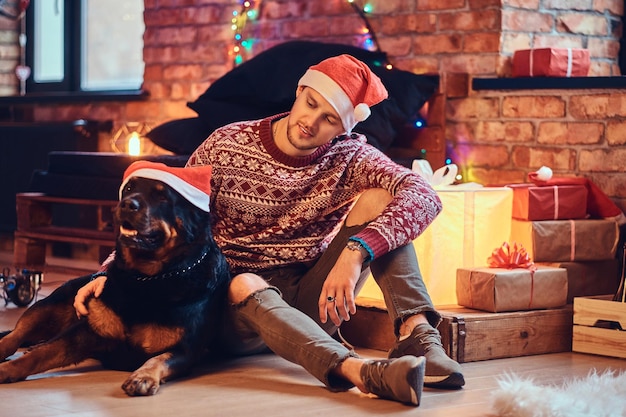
x=91, y=289
x=339, y=287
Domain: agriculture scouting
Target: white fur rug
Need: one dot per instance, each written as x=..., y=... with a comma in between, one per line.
x=597, y=395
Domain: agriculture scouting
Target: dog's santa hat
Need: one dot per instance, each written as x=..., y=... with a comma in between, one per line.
x=348, y=85
x=193, y=183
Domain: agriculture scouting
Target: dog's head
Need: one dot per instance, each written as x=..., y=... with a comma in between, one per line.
x=161, y=214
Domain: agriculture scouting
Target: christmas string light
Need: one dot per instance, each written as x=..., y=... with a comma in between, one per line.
x=370, y=43
x=249, y=11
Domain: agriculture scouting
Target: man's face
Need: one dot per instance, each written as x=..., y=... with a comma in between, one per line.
x=312, y=122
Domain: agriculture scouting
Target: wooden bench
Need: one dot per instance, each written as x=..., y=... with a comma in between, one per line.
x=36, y=228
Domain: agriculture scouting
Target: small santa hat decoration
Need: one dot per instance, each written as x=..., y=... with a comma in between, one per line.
x=193, y=183
x=348, y=85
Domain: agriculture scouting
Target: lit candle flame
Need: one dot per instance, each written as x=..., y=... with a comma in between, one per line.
x=134, y=144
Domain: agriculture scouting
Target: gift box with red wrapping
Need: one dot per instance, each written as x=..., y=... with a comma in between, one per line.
x=551, y=62
x=567, y=240
x=531, y=202
x=517, y=289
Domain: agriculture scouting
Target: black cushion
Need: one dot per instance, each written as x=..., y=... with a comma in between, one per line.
x=266, y=85
x=91, y=175
x=75, y=186
x=180, y=136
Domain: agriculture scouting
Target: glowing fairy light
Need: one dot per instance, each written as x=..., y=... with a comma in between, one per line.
x=248, y=12
x=252, y=14
x=369, y=42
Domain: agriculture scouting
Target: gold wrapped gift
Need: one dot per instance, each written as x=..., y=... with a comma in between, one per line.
x=472, y=223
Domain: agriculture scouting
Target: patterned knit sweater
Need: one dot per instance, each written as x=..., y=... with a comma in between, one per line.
x=272, y=209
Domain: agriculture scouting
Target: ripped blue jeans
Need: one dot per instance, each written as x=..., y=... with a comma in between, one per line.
x=284, y=317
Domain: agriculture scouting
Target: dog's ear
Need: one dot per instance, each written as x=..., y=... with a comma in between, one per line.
x=195, y=224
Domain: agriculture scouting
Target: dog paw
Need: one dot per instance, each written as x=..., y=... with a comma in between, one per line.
x=140, y=385
x=6, y=377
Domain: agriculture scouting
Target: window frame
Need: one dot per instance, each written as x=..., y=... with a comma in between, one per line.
x=71, y=53
x=72, y=56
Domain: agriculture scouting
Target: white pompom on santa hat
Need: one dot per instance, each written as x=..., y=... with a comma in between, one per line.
x=193, y=183
x=544, y=173
x=348, y=85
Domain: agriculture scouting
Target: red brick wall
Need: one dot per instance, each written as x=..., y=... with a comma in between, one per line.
x=590, y=24
x=9, y=56
x=496, y=136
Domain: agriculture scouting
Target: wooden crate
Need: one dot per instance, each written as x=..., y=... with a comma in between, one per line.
x=472, y=335
x=35, y=227
x=599, y=326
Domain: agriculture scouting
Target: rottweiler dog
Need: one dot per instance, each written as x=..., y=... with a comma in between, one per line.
x=162, y=302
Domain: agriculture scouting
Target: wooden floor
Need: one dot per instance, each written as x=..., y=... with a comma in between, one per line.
x=263, y=385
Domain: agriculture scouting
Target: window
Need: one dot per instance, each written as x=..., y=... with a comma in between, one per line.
x=84, y=45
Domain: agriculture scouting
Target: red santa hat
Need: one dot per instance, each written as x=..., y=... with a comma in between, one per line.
x=193, y=183
x=348, y=85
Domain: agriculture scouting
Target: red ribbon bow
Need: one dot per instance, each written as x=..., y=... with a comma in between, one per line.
x=509, y=258
x=516, y=257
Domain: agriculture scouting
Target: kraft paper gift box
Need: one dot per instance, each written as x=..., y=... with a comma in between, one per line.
x=500, y=289
x=567, y=240
x=473, y=221
x=551, y=62
x=590, y=278
x=557, y=202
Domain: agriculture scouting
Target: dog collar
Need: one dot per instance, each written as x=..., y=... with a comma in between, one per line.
x=171, y=274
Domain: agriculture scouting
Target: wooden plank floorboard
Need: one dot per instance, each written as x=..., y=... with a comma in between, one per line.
x=264, y=385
